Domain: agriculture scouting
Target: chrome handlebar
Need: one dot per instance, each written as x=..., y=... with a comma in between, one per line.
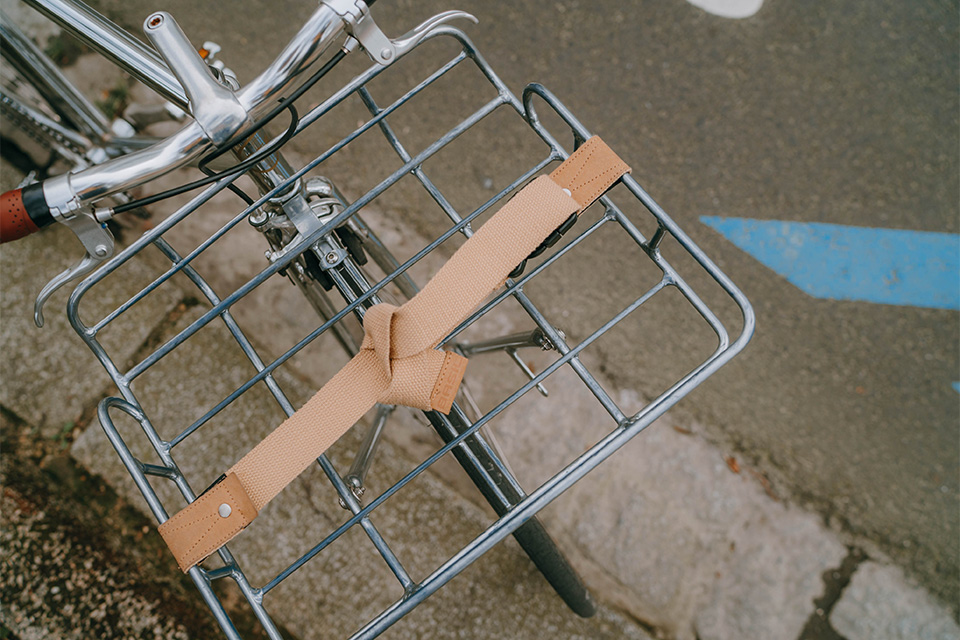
x=218, y=114
x=68, y=193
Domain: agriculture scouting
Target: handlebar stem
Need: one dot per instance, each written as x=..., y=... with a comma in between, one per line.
x=67, y=193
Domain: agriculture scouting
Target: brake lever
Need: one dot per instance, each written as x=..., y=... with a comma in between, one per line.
x=412, y=38
x=98, y=243
x=365, y=32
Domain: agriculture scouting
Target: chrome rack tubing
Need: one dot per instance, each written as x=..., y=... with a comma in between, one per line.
x=71, y=191
x=361, y=464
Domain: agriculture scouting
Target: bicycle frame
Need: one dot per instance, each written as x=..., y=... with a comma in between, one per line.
x=122, y=49
x=93, y=133
x=115, y=44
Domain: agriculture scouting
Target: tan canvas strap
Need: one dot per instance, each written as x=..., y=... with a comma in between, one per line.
x=398, y=362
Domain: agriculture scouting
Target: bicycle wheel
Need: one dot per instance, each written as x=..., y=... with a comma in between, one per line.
x=484, y=465
x=502, y=492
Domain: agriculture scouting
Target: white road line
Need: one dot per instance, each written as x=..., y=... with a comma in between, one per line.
x=729, y=8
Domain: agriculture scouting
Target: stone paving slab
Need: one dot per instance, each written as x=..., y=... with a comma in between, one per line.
x=69, y=573
x=880, y=604
x=694, y=548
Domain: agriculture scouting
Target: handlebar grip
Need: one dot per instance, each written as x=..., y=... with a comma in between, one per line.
x=22, y=212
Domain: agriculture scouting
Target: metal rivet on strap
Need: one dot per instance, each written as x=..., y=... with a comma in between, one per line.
x=224, y=510
x=567, y=191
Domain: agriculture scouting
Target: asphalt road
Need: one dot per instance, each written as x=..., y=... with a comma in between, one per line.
x=842, y=113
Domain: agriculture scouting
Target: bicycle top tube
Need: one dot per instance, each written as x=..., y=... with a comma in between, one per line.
x=114, y=43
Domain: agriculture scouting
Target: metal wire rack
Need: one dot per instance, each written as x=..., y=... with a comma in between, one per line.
x=608, y=214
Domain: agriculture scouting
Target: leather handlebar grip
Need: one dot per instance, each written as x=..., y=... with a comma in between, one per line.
x=22, y=212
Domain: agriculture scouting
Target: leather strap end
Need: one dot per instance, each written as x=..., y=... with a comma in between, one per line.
x=589, y=171
x=448, y=382
x=209, y=522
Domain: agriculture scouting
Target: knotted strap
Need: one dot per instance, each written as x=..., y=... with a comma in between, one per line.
x=398, y=362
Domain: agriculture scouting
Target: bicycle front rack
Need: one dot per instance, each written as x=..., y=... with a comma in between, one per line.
x=171, y=442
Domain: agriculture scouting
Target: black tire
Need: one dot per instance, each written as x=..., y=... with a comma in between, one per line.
x=533, y=538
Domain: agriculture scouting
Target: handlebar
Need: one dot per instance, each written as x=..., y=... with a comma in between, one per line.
x=63, y=197
x=60, y=197
x=222, y=119
x=22, y=212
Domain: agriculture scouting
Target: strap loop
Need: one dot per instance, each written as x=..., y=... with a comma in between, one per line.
x=412, y=380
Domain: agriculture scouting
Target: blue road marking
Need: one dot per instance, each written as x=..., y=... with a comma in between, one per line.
x=837, y=262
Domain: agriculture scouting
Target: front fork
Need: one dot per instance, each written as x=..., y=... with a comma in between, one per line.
x=285, y=220
x=297, y=212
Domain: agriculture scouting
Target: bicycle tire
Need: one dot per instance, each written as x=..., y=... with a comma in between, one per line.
x=491, y=479
x=532, y=536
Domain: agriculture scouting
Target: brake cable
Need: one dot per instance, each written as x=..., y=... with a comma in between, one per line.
x=284, y=104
